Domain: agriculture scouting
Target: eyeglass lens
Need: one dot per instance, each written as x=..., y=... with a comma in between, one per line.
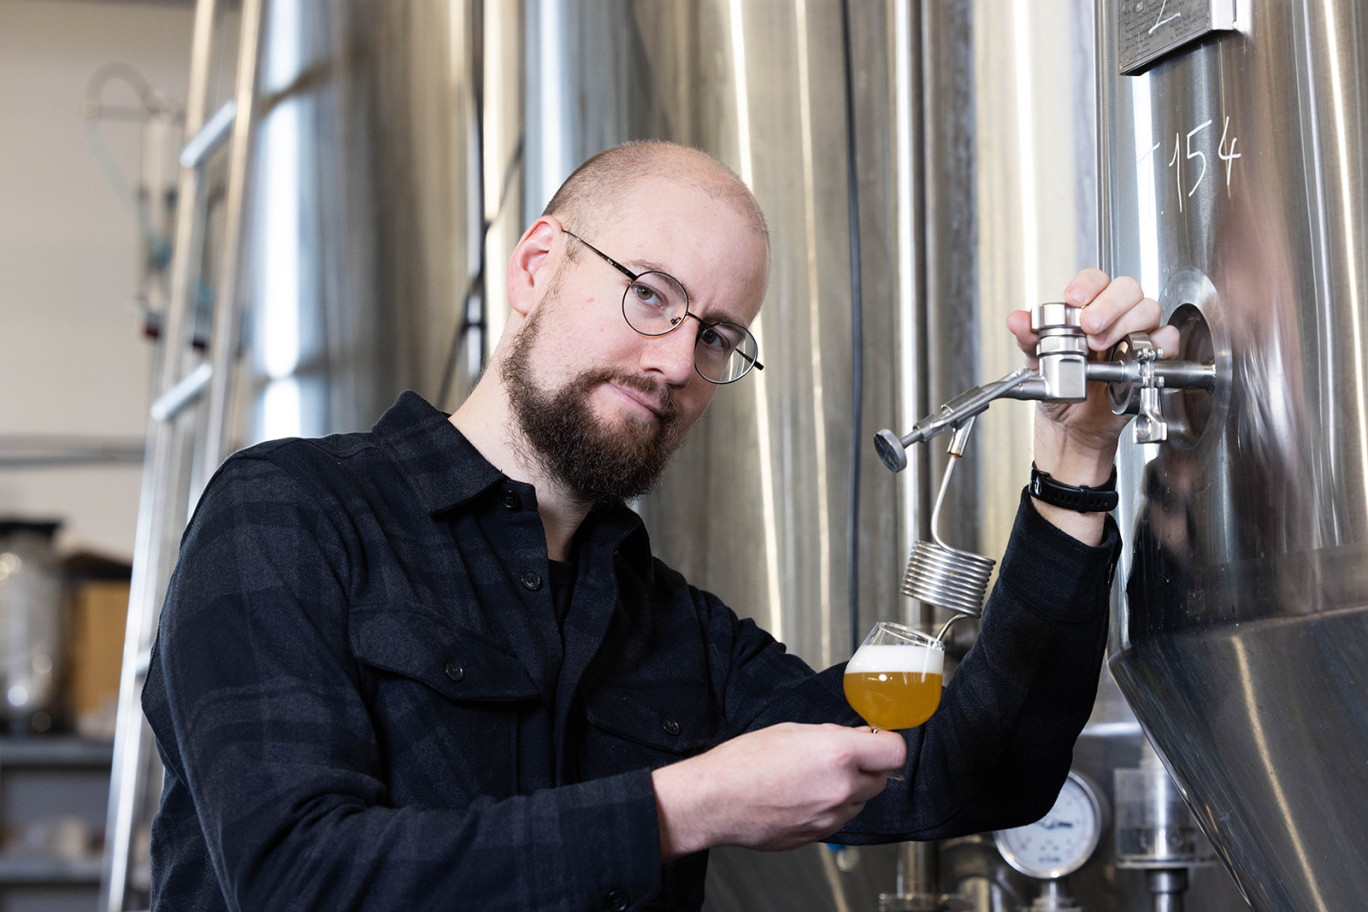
x=655, y=304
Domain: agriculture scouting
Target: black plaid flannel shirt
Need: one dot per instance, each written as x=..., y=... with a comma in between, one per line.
x=363, y=699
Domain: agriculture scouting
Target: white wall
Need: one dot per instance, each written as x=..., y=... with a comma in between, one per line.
x=73, y=359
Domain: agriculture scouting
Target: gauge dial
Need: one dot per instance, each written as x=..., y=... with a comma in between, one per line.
x=1063, y=840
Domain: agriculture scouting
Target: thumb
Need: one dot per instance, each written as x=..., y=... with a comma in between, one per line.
x=879, y=751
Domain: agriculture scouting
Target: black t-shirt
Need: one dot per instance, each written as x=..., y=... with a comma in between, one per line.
x=562, y=588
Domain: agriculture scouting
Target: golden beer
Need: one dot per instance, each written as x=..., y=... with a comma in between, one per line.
x=894, y=687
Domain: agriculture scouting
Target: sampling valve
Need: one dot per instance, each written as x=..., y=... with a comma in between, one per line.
x=1134, y=372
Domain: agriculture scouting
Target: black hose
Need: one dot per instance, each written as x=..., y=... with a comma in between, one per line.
x=856, y=335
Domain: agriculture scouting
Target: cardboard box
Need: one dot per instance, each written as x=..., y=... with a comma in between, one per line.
x=99, y=612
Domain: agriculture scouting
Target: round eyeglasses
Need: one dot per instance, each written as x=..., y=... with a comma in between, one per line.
x=654, y=304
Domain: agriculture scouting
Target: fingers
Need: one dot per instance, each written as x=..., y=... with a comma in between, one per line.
x=1166, y=339
x=886, y=753
x=1112, y=309
x=1019, y=325
x=777, y=787
x=1115, y=308
x=1086, y=286
x=863, y=758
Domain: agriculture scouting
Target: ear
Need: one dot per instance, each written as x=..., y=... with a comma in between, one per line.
x=527, y=262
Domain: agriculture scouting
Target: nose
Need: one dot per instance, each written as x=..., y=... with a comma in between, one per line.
x=672, y=355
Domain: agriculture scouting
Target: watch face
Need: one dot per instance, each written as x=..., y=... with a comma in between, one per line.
x=1060, y=842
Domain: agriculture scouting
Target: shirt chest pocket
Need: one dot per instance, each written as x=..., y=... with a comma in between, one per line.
x=444, y=701
x=631, y=726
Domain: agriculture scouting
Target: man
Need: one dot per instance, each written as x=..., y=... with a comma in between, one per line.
x=436, y=667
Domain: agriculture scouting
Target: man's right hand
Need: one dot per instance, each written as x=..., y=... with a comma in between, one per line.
x=776, y=788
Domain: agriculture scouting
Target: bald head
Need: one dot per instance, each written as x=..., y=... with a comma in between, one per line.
x=594, y=193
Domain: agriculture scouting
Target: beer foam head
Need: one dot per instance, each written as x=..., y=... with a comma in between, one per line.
x=910, y=658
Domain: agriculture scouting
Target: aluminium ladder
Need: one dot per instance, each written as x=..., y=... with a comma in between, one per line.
x=187, y=423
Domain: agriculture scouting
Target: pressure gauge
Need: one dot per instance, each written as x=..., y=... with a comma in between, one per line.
x=1063, y=840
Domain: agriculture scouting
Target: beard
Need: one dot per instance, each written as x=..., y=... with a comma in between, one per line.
x=593, y=459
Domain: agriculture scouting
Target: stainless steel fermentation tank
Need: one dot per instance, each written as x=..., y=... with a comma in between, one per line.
x=387, y=161
x=1233, y=179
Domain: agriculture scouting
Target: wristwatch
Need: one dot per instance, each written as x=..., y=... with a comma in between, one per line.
x=1081, y=498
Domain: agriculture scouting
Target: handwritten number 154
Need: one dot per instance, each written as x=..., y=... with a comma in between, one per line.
x=1225, y=151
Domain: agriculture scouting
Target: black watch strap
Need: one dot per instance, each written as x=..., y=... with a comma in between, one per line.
x=1083, y=499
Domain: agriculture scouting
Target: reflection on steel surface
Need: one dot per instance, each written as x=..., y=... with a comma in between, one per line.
x=1235, y=183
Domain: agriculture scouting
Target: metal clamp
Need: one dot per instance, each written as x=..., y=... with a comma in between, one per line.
x=1138, y=393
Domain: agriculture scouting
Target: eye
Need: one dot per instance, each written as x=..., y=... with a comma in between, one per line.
x=721, y=338
x=645, y=294
x=656, y=296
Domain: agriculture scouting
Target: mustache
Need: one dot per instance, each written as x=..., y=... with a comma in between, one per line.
x=659, y=393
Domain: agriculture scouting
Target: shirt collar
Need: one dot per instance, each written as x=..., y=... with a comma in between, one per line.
x=447, y=472
x=443, y=467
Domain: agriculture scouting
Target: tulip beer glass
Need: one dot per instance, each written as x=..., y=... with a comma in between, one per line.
x=894, y=679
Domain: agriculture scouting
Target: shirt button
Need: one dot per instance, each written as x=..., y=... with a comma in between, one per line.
x=510, y=499
x=454, y=671
x=531, y=580
x=617, y=901
x=671, y=727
